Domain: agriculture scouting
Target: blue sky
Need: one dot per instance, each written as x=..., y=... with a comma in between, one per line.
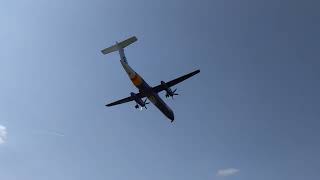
x=252, y=112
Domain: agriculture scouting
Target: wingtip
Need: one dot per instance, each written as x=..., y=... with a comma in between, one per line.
x=135, y=38
x=196, y=71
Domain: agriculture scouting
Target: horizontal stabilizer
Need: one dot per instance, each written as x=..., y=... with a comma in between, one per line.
x=122, y=45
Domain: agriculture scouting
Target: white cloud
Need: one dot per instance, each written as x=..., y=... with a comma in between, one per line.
x=227, y=172
x=3, y=134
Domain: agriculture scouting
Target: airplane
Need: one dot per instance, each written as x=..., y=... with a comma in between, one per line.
x=145, y=90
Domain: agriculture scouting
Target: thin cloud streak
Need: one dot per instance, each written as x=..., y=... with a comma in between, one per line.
x=227, y=172
x=3, y=134
x=49, y=132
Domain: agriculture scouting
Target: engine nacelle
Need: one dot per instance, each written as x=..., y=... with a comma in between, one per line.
x=137, y=100
x=168, y=90
x=166, y=87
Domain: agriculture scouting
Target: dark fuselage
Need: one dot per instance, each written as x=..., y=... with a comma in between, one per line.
x=156, y=100
x=144, y=88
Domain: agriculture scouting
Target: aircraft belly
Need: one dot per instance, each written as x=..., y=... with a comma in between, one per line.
x=139, y=82
x=152, y=99
x=162, y=106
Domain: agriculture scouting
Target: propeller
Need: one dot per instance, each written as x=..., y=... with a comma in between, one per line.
x=145, y=103
x=172, y=94
x=138, y=106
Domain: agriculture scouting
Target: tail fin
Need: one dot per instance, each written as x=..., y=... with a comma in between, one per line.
x=120, y=45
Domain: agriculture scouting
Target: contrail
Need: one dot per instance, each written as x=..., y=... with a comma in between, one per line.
x=55, y=133
x=49, y=132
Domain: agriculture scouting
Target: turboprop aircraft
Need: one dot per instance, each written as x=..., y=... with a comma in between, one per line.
x=145, y=91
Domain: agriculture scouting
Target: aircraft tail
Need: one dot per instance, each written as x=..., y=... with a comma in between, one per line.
x=119, y=46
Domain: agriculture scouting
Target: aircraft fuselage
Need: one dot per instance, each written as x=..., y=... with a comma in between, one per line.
x=144, y=87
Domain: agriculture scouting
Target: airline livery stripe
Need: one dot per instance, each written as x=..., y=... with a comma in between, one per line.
x=136, y=80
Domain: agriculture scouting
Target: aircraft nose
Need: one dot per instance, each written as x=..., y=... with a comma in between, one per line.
x=171, y=116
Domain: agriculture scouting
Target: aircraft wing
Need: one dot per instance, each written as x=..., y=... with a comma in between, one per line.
x=156, y=89
x=125, y=100
x=160, y=87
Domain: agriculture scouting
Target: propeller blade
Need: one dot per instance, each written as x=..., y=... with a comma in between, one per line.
x=174, y=91
x=145, y=101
